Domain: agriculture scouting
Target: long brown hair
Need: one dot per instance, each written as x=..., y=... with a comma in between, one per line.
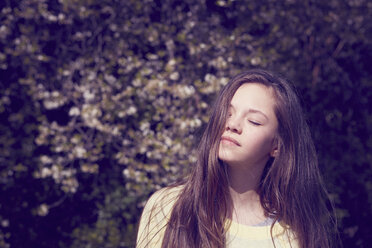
x=290, y=189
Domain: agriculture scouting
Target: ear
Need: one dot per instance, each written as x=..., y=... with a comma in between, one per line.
x=274, y=153
x=275, y=148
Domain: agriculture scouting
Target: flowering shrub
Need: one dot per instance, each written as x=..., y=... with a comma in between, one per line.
x=103, y=102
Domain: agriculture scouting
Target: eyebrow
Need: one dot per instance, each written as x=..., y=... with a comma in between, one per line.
x=254, y=111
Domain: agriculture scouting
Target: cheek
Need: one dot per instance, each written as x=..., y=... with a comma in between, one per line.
x=261, y=143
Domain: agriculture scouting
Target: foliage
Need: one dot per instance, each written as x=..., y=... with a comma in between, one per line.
x=102, y=102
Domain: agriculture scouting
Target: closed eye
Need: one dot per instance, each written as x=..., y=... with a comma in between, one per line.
x=255, y=123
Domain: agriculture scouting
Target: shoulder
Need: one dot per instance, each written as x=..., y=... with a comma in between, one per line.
x=164, y=196
x=285, y=235
x=155, y=216
x=162, y=201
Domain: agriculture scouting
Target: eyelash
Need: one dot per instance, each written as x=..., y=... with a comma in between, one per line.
x=252, y=122
x=255, y=123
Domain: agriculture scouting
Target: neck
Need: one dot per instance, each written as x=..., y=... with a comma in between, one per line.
x=243, y=186
x=243, y=177
x=243, y=183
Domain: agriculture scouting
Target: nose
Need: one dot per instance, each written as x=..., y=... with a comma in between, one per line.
x=234, y=125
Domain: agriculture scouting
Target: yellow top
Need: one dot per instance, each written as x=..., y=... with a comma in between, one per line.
x=157, y=213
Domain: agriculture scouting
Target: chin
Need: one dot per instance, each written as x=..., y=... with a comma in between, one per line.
x=227, y=156
x=222, y=157
x=227, y=160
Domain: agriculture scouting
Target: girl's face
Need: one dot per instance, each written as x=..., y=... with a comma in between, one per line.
x=251, y=127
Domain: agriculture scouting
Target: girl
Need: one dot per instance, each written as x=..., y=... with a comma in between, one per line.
x=256, y=182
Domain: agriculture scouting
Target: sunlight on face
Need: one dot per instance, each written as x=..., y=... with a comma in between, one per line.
x=251, y=127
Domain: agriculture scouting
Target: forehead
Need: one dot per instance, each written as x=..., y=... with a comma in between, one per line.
x=254, y=96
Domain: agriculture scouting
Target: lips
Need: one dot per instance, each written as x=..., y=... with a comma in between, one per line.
x=229, y=139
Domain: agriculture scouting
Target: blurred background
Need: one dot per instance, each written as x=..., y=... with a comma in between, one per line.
x=102, y=103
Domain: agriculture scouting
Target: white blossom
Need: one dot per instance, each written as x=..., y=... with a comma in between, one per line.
x=144, y=126
x=56, y=172
x=195, y=123
x=45, y=172
x=52, y=18
x=255, y=60
x=88, y=95
x=90, y=111
x=110, y=79
x=152, y=56
x=184, y=91
x=61, y=16
x=50, y=104
x=131, y=110
x=5, y=223
x=92, y=75
x=146, y=71
x=171, y=65
x=80, y=152
x=209, y=78
x=70, y=185
x=58, y=148
x=219, y=62
x=74, y=111
x=174, y=75
x=89, y=168
x=168, y=141
x=121, y=114
x=43, y=210
x=126, y=172
x=136, y=82
x=45, y=159
x=183, y=125
x=224, y=81
x=55, y=94
x=66, y=73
